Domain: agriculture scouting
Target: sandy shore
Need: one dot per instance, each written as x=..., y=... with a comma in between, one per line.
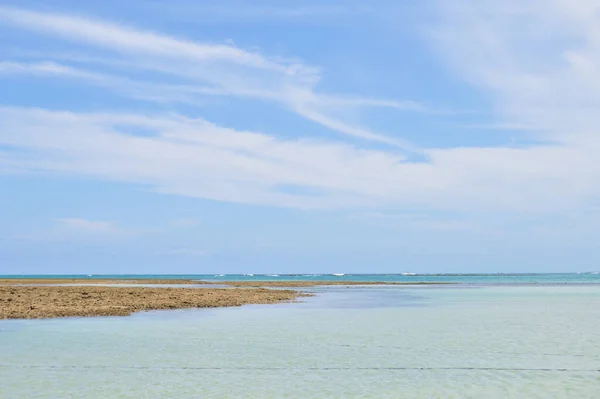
x=35, y=302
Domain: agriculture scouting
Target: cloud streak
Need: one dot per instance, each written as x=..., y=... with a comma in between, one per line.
x=118, y=38
x=193, y=157
x=203, y=69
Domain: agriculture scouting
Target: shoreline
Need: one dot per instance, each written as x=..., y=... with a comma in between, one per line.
x=47, y=298
x=45, y=302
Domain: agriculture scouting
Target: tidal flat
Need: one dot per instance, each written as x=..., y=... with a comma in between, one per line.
x=50, y=301
x=51, y=298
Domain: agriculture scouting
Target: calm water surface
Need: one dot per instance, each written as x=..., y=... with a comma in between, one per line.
x=347, y=342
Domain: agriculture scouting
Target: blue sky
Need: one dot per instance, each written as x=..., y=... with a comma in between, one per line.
x=273, y=137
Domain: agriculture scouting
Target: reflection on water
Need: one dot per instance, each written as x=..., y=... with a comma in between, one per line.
x=347, y=342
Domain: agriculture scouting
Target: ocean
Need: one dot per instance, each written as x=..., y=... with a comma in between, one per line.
x=486, y=279
x=491, y=336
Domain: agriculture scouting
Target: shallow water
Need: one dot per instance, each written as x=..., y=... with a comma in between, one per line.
x=347, y=342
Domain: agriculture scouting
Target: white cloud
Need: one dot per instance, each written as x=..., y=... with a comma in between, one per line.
x=195, y=158
x=139, y=90
x=538, y=60
x=50, y=68
x=208, y=69
x=534, y=80
x=124, y=39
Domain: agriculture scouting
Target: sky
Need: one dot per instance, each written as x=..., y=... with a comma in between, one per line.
x=431, y=136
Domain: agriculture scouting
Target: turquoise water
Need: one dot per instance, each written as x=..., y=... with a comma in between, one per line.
x=347, y=342
x=493, y=279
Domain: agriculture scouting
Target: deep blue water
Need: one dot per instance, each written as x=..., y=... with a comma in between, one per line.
x=479, y=279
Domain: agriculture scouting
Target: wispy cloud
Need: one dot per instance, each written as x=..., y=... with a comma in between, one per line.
x=549, y=80
x=530, y=85
x=42, y=68
x=155, y=92
x=195, y=158
x=119, y=38
x=206, y=70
